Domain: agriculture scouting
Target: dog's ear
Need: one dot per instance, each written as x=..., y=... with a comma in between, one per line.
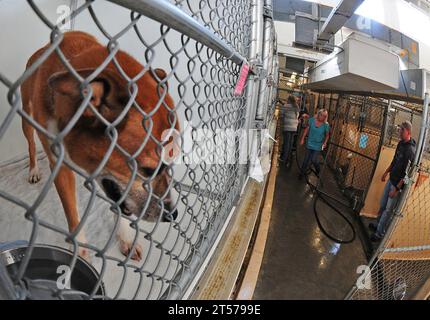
x=159, y=75
x=109, y=91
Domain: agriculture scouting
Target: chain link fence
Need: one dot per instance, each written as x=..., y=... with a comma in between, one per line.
x=363, y=139
x=356, y=137
x=146, y=152
x=354, y=147
x=400, y=267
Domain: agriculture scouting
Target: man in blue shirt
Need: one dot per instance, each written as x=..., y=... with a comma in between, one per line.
x=318, y=133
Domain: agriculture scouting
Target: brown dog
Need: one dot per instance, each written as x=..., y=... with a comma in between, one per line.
x=52, y=95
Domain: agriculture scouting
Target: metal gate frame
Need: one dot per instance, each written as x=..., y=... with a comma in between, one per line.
x=334, y=120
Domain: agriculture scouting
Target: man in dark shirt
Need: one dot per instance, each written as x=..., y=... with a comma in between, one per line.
x=405, y=153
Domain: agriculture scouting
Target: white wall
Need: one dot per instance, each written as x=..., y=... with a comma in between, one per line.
x=21, y=34
x=285, y=32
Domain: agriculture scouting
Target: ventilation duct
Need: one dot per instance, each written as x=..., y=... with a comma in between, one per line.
x=358, y=64
x=337, y=19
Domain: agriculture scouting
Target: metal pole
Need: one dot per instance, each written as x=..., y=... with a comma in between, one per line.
x=274, y=73
x=255, y=53
x=261, y=112
x=273, y=89
x=255, y=58
x=170, y=15
x=337, y=19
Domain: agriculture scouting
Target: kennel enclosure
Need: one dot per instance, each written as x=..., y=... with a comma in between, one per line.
x=225, y=143
x=362, y=146
x=202, y=46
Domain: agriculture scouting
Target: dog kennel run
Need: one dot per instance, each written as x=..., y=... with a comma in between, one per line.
x=362, y=145
x=204, y=47
x=400, y=266
x=363, y=139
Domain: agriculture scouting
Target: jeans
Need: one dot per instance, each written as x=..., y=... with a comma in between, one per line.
x=386, y=211
x=287, y=146
x=311, y=156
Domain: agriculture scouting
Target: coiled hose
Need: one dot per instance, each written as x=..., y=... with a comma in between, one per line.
x=325, y=198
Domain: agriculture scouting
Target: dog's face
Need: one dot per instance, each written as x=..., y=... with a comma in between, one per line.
x=145, y=193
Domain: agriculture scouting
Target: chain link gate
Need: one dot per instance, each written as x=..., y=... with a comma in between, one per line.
x=354, y=148
x=354, y=145
x=400, y=267
x=362, y=128
x=347, y=164
x=202, y=45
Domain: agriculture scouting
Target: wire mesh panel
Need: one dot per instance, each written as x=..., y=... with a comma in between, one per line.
x=400, y=268
x=399, y=112
x=355, y=142
x=141, y=132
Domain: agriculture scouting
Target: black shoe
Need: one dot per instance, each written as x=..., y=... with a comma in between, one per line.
x=373, y=227
x=375, y=238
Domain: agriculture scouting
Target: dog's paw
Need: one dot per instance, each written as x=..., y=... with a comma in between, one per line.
x=126, y=246
x=84, y=253
x=34, y=176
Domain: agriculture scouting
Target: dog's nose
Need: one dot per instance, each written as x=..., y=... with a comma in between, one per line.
x=170, y=216
x=111, y=189
x=125, y=210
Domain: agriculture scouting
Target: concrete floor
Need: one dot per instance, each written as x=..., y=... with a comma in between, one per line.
x=299, y=261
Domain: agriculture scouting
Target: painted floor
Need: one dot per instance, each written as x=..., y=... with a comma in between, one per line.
x=299, y=261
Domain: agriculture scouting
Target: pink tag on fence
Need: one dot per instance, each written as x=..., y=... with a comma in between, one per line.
x=242, y=80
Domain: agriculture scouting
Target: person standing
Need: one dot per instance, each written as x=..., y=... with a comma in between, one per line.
x=318, y=132
x=405, y=154
x=289, y=117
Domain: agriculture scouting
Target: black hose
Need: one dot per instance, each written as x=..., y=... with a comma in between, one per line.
x=321, y=195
